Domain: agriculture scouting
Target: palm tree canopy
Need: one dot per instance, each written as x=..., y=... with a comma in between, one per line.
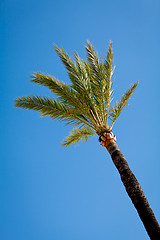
x=85, y=103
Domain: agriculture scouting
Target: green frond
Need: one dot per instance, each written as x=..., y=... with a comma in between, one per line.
x=97, y=73
x=78, y=134
x=95, y=63
x=66, y=60
x=84, y=84
x=96, y=67
x=115, y=112
x=85, y=88
x=69, y=65
x=52, y=83
x=108, y=66
x=80, y=82
x=54, y=109
x=65, y=93
x=46, y=106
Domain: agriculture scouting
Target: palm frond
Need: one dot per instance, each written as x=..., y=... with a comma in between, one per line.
x=96, y=67
x=97, y=74
x=66, y=60
x=52, y=83
x=54, y=109
x=108, y=66
x=95, y=62
x=65, y=93
x=85, y=89
x=80, y=81
x=45, y=105
x=78, y=134
x=69, y=65
x=115, y=111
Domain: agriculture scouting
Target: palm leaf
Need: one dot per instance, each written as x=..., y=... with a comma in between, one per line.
x=78, y=134
x=115, y=111
x=108, y=66
x=65, y=93
x=86, y=89
x=95, y=63
x=66, y=60
x=96, y=68
x=53, y=108
x=70, y=66
x=80, y=82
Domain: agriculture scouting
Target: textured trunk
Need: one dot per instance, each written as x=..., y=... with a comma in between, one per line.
x=133, y=188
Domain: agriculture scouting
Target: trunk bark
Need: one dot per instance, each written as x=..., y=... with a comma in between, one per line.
x=133, y=189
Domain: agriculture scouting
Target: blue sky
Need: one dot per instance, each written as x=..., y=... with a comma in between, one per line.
x=49, y=192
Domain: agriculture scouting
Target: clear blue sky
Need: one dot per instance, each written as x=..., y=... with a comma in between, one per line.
x=49, y=192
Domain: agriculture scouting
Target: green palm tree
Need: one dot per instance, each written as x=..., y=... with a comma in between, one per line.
x=86, y=104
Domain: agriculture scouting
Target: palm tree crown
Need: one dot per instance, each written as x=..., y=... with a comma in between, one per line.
x=85, y=103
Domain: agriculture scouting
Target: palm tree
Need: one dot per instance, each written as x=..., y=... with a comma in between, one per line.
x=86, y=104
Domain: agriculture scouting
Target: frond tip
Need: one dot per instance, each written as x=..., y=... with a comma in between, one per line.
x=78, y=134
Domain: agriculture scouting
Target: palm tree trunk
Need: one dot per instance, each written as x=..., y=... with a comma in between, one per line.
x=133, y=189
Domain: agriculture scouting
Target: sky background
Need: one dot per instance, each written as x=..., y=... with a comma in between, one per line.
x=49, y=192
